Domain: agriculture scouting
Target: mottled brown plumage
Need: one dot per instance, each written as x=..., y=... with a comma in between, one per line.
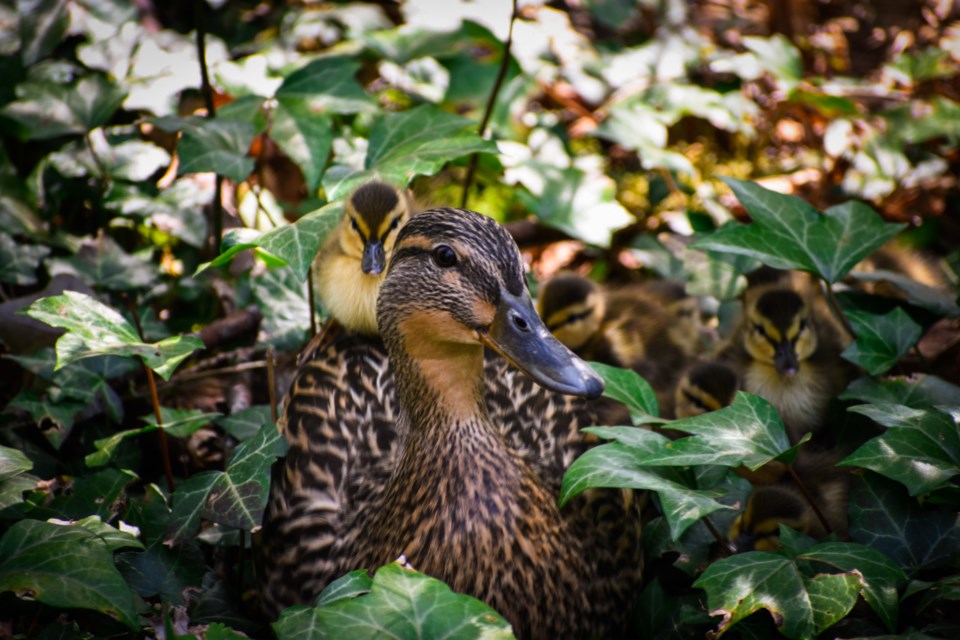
x=463, y=478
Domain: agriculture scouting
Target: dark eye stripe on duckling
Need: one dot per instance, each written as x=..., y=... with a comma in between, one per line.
x=477, y=239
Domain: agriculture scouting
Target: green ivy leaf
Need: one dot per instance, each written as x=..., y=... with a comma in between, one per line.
x=238, y=496
x=880, y=574
x=618, y=466
x=305, y=136
x=881, y=339
x=936, y=301
x=884, y=517
x=213, y=144
x=64, y=566
x=245, y=424
x=114, y=538
x=94, y=329
x=779, y=56
x=918, y=391
x=177, y=422
x=19, y=262
x=101, y=263
x=356, y=583
x=749, y=432
x=788, y=233
x=629, y=387
x=54, y=418
x=189, y=500
x=46, y=109
x=13, y=463
x=326, y=85
x=801, y=605
x=44, y=30
x=920, y=450
x=401, y=603
x=419, y=141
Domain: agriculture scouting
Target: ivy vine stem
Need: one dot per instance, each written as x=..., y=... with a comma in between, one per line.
x=835, y=309
x=809, y=498
x=491, y=101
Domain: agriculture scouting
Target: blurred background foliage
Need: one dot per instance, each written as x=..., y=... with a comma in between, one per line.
x=138, y=134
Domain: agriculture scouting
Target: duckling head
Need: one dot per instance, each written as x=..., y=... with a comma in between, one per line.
x=572, y=308
x=456, y=283
x=373, y=214
x=706, y=386
x=758, y=527
x=779, y=330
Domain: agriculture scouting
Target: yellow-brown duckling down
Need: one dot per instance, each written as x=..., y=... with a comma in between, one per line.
x=785, y=352
x=405, y=446
x=352, y=262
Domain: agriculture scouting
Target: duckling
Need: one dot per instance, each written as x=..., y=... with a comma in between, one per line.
x=626, y=327
x=703, y=387
x=788, y=354
x=373, y=214
x=465, y=500
x=771, y=505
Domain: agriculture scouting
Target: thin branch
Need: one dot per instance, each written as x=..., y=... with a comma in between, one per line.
x=164, y=445
x=726, y=548
x=809, y=498
x=836, y=310
x=312, y=302
x=206, y=90
x=491, y=101
x=223, y=371
x=272, y=386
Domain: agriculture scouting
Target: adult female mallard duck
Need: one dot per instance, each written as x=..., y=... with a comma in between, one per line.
x=373, y=215
x=430, y=474
x=788, y=354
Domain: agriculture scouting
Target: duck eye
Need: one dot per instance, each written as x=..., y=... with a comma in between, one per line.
x=444, y=256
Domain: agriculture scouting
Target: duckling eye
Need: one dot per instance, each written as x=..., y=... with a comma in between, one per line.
x=393, y=225
x=444, y=256
x=356, y=227
x=802, y=326
x=759, y=329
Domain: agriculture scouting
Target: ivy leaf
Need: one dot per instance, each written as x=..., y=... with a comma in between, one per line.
x=881, y=339
x=884, y=517
x=789, y=233
x=326, y=85
x=920, y=391
x=213, y=145
x=356, y=583
x=401, y=603
x=306, y=137
x=64, y=566
x=46, y=109
x=618, y=466
x=101, y=263
x=880, y=574
x=294, y=245
x=94, y=329
x=19, y=262
x=419, y=141
x=114, y=538
x=238, y=496
x=189, y=500
x=749, y=432
x=54, y=418
x=779, y=56
x=936, y=301
x=802, y=606
x=44, y=30
x=13, y=463
x=177, y=422
x=245, y=424
x=921, y=451
x=629, y=388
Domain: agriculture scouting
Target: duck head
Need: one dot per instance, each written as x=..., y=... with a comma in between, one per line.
x=456, y=283
x=373, y=214
x=779, y=330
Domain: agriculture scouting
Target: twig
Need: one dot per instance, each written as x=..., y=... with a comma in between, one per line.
x=312, y=302
x=809, y=498
x=164, y=446
x=206, y=373
x=726, y=548
x=272, y=386
x=836, y=310
x=206, y=91
x=498, y=83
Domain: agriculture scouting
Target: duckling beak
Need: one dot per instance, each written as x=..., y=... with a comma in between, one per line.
x=519, y=335
x=785, y=358
x=374, y=258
